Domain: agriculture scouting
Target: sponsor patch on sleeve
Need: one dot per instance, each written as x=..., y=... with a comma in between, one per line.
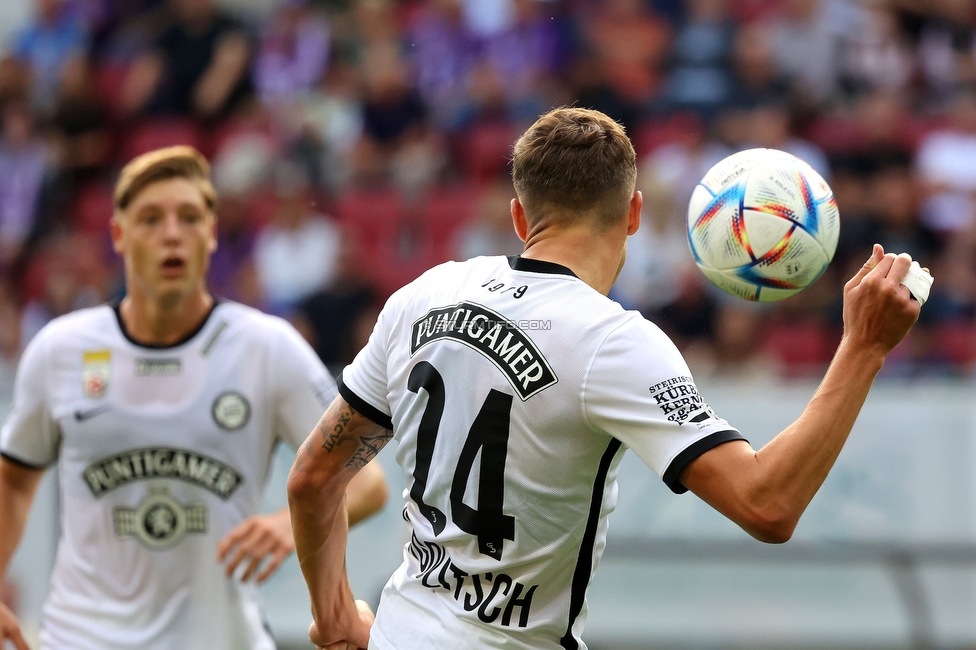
x=679, y=399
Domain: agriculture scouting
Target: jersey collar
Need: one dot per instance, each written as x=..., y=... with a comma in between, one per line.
x=116, y=308
x=520, y=263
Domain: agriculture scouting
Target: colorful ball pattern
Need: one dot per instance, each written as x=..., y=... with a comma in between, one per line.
x=763, y=225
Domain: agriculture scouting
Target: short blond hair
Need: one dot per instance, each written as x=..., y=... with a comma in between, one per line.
x=573, y=161
x=181, y=161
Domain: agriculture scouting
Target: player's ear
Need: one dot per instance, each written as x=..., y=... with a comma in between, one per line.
x=518, y=219
x=115, y=230
x=634, y=213
x=212, y=234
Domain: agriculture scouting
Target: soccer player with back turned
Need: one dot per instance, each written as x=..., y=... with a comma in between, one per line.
x=162, y=413
x=525, y=364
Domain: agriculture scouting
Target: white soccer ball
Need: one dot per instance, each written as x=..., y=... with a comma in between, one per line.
x=763, y=225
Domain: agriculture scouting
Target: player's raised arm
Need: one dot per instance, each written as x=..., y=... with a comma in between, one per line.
x=343, y=443
x=766, y=491
x=18, y=484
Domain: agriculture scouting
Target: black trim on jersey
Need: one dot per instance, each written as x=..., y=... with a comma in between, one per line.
x=117, y=308
x=520, y=263
x=363, y=406
x=584, y=563
x=22, y=463
x=693, y=451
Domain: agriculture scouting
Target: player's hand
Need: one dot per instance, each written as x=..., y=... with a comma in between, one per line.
x=878, y=308
x=10, y=629
x=355, y=639
x=256, y=539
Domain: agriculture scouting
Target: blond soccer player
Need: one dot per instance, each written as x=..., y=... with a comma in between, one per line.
x=162, y=413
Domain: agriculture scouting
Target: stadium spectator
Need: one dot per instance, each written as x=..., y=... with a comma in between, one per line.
x=877, y=53
x=81, y=125
x=524, y=55
x=23, y=166
x=771, y=127
x=297, y=253
x=490, y=233
x=327, y=124
x=657, y=262
x=330, y=319
x=197, y=67
x=293, y=53
x=63, y=281
x=895, y=202
x=737, y=353
x=416, y=94
x=699, y=77
x=52, y=42
x=756, y=77
x=235, y=249
x=947, y=165
x=630, y=46
x=804, y=36
x=443, y=52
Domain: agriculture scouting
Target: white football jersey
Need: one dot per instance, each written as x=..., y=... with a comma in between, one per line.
x=160, y=451
x=513, y=389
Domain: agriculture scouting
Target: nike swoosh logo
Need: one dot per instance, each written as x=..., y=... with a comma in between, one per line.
x=81, y=416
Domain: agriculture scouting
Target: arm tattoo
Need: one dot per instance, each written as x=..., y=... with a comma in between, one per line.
x=332, y=438
x=371, y=445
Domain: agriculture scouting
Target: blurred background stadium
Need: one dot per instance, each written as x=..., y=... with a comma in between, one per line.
x=356, y=143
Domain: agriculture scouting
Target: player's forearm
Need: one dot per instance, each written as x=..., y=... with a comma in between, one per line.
x=320, y=523
x=793, y=466
x=17, y=488
x=366, y=493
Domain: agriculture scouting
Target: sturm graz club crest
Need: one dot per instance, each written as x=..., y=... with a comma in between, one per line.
x=160, y=521
x=231, y=411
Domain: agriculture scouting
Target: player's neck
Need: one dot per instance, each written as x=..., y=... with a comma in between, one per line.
x=595, y=260
x=167, y=321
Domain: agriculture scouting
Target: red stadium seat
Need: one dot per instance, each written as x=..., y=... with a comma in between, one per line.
x=371, y=216
x=391, y=264
x=445, y=210
x=92, y=209
x=956, y=343
x=801, y=346
x=657, y=132
x=156, y=134
x=487, y=150
x=109, y=82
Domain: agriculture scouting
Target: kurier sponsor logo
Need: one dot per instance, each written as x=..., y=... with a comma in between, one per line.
x=502, y=341
x=679, y=399
x=161, y=462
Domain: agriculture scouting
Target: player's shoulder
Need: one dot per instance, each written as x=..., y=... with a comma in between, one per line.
x=251, y=322
x=81, y=328
x=256, y=329
x=442, y=278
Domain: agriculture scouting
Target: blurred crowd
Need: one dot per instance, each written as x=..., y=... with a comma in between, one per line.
x=356, y=143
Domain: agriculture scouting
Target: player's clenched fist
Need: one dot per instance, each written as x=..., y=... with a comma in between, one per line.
x=10, y=629
x=356, y=639
x=878, y=309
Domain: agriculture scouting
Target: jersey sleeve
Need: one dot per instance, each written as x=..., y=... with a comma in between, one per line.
x=304, y=388
x=31, y=436
x=639, y=390
x=363, y=383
